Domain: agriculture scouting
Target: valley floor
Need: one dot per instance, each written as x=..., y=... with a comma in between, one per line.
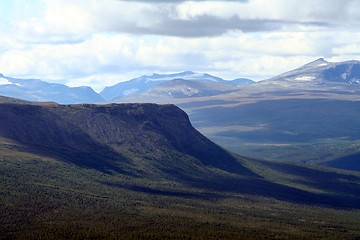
x=42, y=198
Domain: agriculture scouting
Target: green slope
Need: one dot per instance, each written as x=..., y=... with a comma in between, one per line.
x=140, y=171
x=46, y=198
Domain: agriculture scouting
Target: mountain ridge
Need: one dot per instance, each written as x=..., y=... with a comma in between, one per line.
x=75, y=131
x=178, y=89
x=41, y=91
x=315, y=74
x=320, y=72
x=144, y=83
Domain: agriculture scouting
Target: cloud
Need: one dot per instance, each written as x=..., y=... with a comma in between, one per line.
x=179, y=1
x=196, y=19
x=79, y=19
x=106, y=59
x=209, y=26
x=102, y=42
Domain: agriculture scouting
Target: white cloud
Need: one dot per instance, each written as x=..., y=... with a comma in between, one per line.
x=78, y=19
x=102, y=42
x=111, y=55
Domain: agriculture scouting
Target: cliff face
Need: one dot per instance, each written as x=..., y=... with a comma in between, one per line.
x=112, y=136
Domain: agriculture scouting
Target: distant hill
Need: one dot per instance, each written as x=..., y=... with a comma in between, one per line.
x=40, y=91
x=241, y=81
x=141, y=84
x=177, y=89
x=320, y=72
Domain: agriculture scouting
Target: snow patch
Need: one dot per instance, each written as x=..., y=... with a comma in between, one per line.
x=305, y=78
x=184, y=76
x=344, y=76
x=322, y=64
x=4, y=81
x=147, y=80
x=196, y=75
x=130, y=91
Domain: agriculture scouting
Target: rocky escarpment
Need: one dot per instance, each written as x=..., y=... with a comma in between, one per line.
x=108, y=136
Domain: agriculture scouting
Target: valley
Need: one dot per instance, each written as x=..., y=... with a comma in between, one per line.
x=77, y=203
x=179, y=120
x=280, y=119
x=141, y=171
x=287, y=165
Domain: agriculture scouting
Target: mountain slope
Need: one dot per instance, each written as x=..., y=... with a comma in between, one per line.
x=241, y=81
x=40, y=91
x=177, y=89
x=144, y=83
x=142, y=171
x=12, y=100
x=75, y=131
x=303, y=115
x=145, y=140
x=320, y=72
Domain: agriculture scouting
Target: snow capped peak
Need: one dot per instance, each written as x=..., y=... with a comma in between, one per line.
x=4, y=81
x=154, y=75
x=187, y=73
x=320, y=60
x=146, y=82
x=317, y=63
x=321, y=72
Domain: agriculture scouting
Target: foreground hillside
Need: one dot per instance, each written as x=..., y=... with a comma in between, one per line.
x=138, y=171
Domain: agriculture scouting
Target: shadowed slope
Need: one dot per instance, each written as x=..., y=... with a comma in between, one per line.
x=99, y=135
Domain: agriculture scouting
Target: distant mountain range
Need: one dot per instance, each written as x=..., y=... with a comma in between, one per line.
x=317, y=74
x=203, y=82
x=139, y=171
x=40, y=91
x=293, y=116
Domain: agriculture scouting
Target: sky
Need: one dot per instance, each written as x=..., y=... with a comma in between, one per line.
x=99, y=43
